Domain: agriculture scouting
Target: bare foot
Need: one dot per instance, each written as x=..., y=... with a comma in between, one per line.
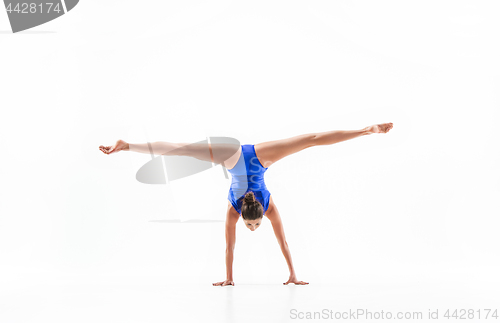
x=119, y=146
x=380, y=128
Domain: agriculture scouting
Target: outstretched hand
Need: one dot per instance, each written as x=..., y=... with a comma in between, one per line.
x=224, y=283
x=118, y=146
x=294, y=280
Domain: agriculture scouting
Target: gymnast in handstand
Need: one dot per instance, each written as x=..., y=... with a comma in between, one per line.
x=248, y=195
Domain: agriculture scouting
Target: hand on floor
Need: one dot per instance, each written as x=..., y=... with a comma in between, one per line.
x=224, y=283
x=294, y=280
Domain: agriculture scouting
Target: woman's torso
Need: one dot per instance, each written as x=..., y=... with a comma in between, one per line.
x=248, y=175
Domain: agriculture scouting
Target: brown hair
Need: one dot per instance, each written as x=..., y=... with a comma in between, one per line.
x=251, y=209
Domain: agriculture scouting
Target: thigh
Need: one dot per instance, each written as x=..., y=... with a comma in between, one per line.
x=270, y=152
x=225, y=154
x=230, y=162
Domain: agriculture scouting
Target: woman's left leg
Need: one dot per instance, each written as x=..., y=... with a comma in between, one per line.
x=270, y=152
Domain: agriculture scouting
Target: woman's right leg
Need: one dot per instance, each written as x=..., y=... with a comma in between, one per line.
x=199, y=151
x=156, y=148
x=219, y=153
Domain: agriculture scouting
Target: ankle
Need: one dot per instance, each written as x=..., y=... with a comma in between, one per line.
x=366, y=131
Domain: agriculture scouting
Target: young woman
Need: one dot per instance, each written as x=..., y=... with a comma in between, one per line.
x=248, y=195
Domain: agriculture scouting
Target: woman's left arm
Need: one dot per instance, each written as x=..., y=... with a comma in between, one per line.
x=274, y=216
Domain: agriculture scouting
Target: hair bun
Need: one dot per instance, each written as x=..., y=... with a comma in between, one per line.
x=249, y=197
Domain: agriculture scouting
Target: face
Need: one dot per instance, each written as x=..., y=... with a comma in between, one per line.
x=252, y=224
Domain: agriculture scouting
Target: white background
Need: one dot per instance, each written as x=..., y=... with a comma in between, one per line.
x=407, y=220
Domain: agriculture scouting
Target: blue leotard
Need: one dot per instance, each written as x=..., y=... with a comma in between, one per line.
x=248, y=175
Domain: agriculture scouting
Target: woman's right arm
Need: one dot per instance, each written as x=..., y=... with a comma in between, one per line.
x=230, y=243
x=232, y=218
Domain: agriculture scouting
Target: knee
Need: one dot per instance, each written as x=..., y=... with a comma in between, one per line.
x=312, y=140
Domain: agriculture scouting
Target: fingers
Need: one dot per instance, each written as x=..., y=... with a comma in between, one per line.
x=299, y=282
x=224, y=283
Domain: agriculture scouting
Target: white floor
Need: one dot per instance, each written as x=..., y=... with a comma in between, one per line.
x=140, y=299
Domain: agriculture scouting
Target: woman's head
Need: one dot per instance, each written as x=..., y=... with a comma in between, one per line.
x=251, y=211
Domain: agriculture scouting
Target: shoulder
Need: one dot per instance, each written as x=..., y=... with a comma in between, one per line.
x=270, y=209
x=232, y=215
